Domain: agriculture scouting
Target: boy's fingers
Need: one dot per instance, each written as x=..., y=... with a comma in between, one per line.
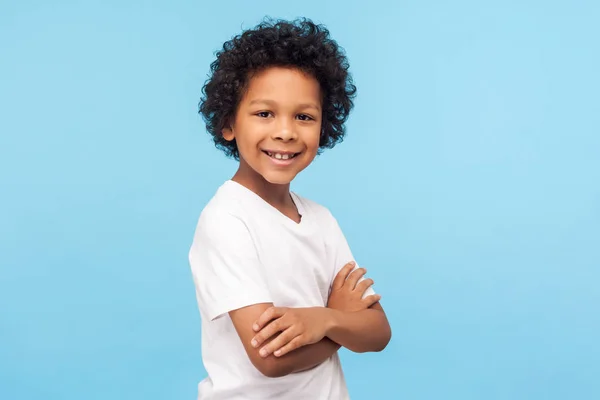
x=372, y=299
x=354, y=277
x=267, y=332
x=294, y=344
x=268, y=315
x=341, y=276
x=280, y=341
x=363, y=285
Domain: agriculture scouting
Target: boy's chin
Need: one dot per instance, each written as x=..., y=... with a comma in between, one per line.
x=279, y=178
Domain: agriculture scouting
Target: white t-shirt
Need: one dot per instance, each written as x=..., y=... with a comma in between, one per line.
x=247, y=252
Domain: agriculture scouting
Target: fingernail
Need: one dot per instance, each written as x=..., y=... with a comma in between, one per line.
x=277, y=353
x=352, y=263
x=254, y=343
x=255, y=327
x=263, y=352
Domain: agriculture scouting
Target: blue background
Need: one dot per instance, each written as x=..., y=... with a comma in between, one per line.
x=468, y=185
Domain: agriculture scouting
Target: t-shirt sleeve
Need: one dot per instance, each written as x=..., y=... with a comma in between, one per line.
x=342, y=253
x=227, y=272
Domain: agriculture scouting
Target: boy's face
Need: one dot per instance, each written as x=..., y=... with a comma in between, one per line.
x=277, y=126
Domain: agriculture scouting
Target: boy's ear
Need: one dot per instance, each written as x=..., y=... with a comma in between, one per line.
x=228, y=134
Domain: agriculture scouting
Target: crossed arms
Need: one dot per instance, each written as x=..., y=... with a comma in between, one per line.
x=280, y=341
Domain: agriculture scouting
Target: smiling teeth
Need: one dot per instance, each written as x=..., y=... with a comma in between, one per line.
x=280, y=156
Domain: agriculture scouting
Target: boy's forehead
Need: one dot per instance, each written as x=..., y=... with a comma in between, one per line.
x=282, y=84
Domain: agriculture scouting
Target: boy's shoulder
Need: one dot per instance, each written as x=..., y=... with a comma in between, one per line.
x=313, y=207
x=225, y=204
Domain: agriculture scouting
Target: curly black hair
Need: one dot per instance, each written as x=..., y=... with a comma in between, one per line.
x=299, y=44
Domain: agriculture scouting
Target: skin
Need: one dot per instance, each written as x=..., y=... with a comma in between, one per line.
x=281, y=111
x=360, y=329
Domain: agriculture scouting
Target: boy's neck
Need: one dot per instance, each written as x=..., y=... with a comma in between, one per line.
x=276, y=195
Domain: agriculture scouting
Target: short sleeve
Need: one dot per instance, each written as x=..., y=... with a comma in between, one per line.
x=341, y=250
x=227, y=272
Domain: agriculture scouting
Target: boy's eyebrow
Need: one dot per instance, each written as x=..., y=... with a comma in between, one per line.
x=310, y=105
x=272, y=103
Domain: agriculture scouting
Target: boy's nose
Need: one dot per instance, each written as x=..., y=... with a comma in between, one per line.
x=285, y=131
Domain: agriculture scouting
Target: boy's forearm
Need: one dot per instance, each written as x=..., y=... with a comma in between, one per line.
x=303, y=359
x=361, y=331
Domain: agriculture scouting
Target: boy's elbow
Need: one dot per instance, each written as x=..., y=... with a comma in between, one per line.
x=272, y=371
x=272, y=367
x=382, y=342
x=385, y=339
x=381, y=346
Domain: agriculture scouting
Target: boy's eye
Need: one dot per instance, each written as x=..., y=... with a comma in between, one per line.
x=304, y=117
x=263, y=114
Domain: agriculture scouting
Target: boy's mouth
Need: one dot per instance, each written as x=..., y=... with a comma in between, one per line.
x=280, y=156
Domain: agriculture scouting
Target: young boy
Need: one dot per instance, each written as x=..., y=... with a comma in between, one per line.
x=277, y=290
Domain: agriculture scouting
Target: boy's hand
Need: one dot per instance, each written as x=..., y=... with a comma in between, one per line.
x=347, y=293
x=297, y=327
